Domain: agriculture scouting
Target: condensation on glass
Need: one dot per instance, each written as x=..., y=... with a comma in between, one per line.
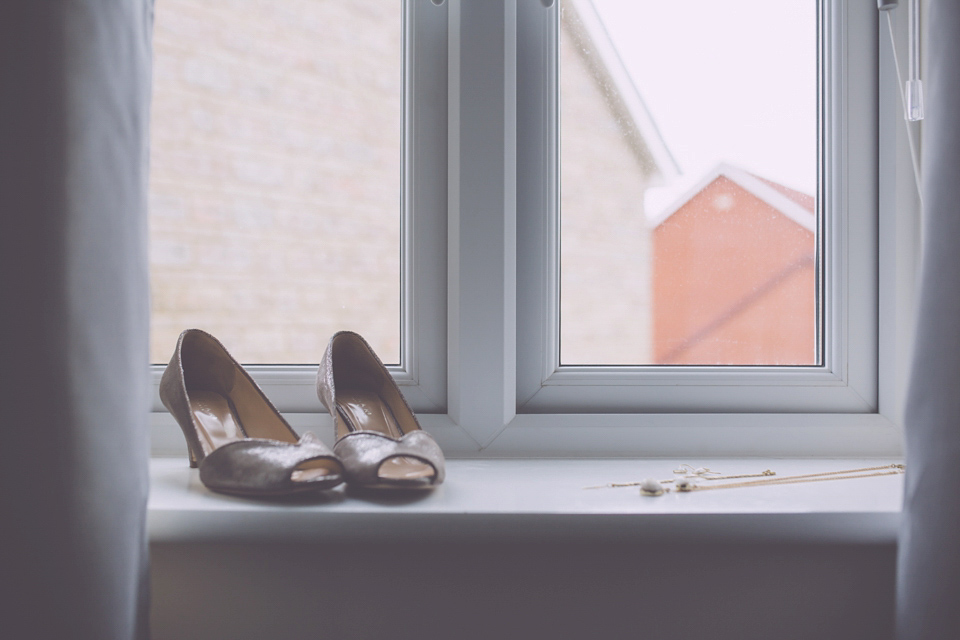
x=688, y=177
x=275, y=175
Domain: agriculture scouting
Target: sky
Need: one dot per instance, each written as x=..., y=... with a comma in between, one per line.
x=730, y=81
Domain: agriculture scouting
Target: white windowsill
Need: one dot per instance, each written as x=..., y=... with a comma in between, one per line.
x=517, y=499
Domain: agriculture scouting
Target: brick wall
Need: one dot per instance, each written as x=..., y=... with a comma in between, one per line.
x=275, y=185
x=734, y=282
x=275, y=182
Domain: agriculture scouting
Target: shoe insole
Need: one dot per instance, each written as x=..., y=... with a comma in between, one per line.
x=219, y=425
x=218, y=422
x=366, y=411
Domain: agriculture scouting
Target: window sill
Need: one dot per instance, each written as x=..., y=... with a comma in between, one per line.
x=517, y=499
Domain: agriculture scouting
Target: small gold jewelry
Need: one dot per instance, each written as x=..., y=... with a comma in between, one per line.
x=651, y=488
x=688, y=470
x=687, y=485
x=616, y=485
x=692, y=477
x=762, y=474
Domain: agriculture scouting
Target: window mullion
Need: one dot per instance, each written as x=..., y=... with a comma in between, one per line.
x=482, y=216
x=537, y=196
x=423, y=250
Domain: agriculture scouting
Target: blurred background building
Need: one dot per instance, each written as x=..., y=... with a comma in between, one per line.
x=734, y=278
x=275, y=178
x=275, y=199
x=610, y=153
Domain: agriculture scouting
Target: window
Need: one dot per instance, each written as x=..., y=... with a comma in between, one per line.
x=275, y=187
x=688, y=174
x=276, y=212
x=845, y=401
x=481, y=359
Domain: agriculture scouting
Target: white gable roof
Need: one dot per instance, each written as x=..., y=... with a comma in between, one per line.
x=647, y=136
x=757, y=187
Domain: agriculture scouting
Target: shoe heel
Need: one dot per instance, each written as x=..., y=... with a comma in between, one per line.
x=193, y=458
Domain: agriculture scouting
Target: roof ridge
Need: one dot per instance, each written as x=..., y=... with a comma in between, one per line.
x=762, y=188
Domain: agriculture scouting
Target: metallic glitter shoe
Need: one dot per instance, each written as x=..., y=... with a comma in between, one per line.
x=241, y=443
x=379, y=440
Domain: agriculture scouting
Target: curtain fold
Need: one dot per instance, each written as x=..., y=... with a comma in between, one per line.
x=74, y=394
x=929, y=551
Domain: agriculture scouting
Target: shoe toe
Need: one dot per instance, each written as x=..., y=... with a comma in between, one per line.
x=268, y=467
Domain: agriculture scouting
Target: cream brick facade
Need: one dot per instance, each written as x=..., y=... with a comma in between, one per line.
x=275, y=185
x=605, y=272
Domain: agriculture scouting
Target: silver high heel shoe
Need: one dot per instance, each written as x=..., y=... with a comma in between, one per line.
x=241, y=443
x=379, y=440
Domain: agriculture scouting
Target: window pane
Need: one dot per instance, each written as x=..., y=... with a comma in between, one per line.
x=688, y=182
x=275, y=182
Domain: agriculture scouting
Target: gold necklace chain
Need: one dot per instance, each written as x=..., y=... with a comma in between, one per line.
x=762, y=474
x=686, y=485
x=701, y=473
x=767, y=476
x=617, y=485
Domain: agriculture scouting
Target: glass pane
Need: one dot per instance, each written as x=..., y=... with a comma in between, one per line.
x=275, y=181
x=688, y=181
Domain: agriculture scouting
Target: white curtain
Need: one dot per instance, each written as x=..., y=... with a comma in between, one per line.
x=74, y=394
x=928, y=603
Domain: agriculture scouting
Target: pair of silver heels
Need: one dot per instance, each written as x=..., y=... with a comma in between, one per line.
x=243, y=446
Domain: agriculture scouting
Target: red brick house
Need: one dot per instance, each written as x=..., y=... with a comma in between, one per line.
x=734, y=274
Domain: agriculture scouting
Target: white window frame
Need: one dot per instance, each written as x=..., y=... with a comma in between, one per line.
x=507, y=389
x=479, y=279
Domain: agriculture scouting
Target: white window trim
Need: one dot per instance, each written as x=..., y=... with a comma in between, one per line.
x=485, y=397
